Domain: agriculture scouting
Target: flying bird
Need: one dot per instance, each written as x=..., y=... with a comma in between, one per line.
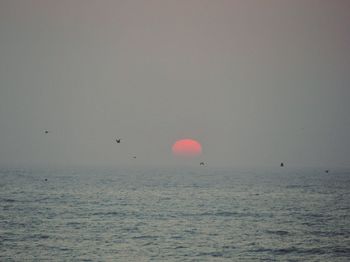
x=118, y=140
x=282, y=165
x=201, y=163
x=46, y=131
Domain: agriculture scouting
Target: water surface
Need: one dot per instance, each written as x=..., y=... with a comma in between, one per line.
x=174, y=214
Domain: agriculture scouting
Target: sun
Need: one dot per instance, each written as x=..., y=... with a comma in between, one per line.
x=187, y=148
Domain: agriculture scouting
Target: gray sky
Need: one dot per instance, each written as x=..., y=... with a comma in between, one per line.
x=256, y=82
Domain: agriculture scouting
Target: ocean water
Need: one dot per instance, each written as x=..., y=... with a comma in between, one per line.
x=174, y=214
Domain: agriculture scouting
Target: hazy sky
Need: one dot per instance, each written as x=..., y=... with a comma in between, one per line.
x=256, y=82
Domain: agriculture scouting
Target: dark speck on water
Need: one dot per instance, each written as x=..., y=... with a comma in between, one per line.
x=174, y=214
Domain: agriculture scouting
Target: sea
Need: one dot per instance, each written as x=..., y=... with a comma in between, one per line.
x=174, y=214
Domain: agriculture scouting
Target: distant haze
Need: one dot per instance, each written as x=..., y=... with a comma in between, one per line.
x=256, y=82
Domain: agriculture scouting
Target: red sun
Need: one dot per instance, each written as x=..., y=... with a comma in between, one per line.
x=187, y=148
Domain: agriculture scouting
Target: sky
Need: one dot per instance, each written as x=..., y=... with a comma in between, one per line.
x=255, y=82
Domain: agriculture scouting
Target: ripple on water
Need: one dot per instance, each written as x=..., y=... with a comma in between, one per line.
x=174, y=214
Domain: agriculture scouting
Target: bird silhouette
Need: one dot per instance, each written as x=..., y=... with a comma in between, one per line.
x=201, y=163
x=118, y=140
x=46, y=131
x=282, y=165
